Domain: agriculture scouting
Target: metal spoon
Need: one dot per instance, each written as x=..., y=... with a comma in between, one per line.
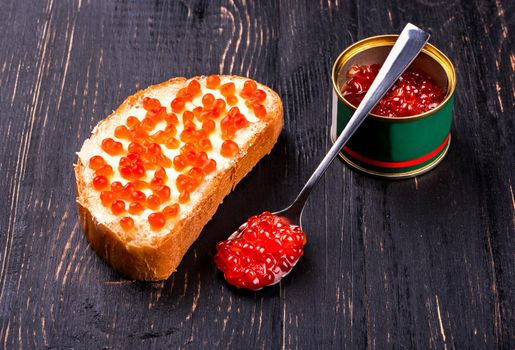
x=410, y=42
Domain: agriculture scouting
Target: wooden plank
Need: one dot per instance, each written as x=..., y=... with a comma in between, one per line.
x=421, y=263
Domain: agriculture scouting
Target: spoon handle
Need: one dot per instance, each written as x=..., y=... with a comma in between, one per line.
x=406, y=48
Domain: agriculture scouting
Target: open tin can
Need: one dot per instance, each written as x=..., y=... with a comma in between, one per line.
x=394, y=147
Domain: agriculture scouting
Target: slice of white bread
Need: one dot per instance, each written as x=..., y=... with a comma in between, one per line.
x=144, y=253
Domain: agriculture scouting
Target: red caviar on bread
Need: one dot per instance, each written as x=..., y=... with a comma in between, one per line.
x=154, y=172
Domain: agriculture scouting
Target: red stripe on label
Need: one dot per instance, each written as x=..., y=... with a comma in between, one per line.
x=403, y=164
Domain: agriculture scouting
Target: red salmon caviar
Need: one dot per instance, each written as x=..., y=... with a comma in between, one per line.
x=126, y=223
x=228, y=89
x=190, y=125
x=199, y=160
x=163, y=193
x=156, y=182
x=125, y=161
x=157, y=115
x=232, y=100
x=106, y=197
x=135, y=147
x=248, y=88
x=122, y=132
x=118, y=207
x=205, y=145
x=234, y=111
x=185, y=158
x=229, y=149
x=172, y=143
x=161, y=173
x=170, y=131
x=259, y=110
x=178, y=104
x=157, y=220
x=100, y=182
x=132, y=121
x=151, y=104
x=134, y=170
x=164, y=161
x=159, y=136
x=185, y=182
x=194, y=87
x=413, y=93
x=257, y=96
x=171, y=211
x=184, y=94
x=116, y=187
x=197, y=174
x=171, y=119
x=127, y=191
x=179, y=163
x=208, y=113
x=148, y=124
x=266, y=249
x=208, y=100
x=208, y=126
x=138, y=196
x=188, y=148
x=184, y=197
x=136, y=208
x=188, y=135
x=154, y=148
x=96, y=162
x=201, y=135
x=232, y=122
x=138, y=171
x=111, y=146
x=125, y=171
x=139, y=185
x=134, y=157
x=213, y=81
x=162, y=135
x=196, y=111
x=139, y=134
x=219, y=106
x=210, y=166
x=188, y=152
x=105, y=170
x=187, y=116
x=153, y=201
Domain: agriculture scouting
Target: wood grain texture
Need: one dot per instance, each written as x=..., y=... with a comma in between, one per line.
x=421, y=263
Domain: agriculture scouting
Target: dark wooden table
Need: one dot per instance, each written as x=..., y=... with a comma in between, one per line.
x=421, y=263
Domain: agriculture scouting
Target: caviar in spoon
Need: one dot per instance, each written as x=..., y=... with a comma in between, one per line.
x=261, y=252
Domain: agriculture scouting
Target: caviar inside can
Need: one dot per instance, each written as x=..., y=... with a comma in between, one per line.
x=394, y=147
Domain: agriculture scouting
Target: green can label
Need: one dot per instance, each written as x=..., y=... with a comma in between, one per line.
x=394, y=147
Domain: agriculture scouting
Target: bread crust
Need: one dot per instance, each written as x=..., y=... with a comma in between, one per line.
x=159, y=259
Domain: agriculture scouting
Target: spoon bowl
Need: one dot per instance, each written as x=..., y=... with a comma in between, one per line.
x=285, y=216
